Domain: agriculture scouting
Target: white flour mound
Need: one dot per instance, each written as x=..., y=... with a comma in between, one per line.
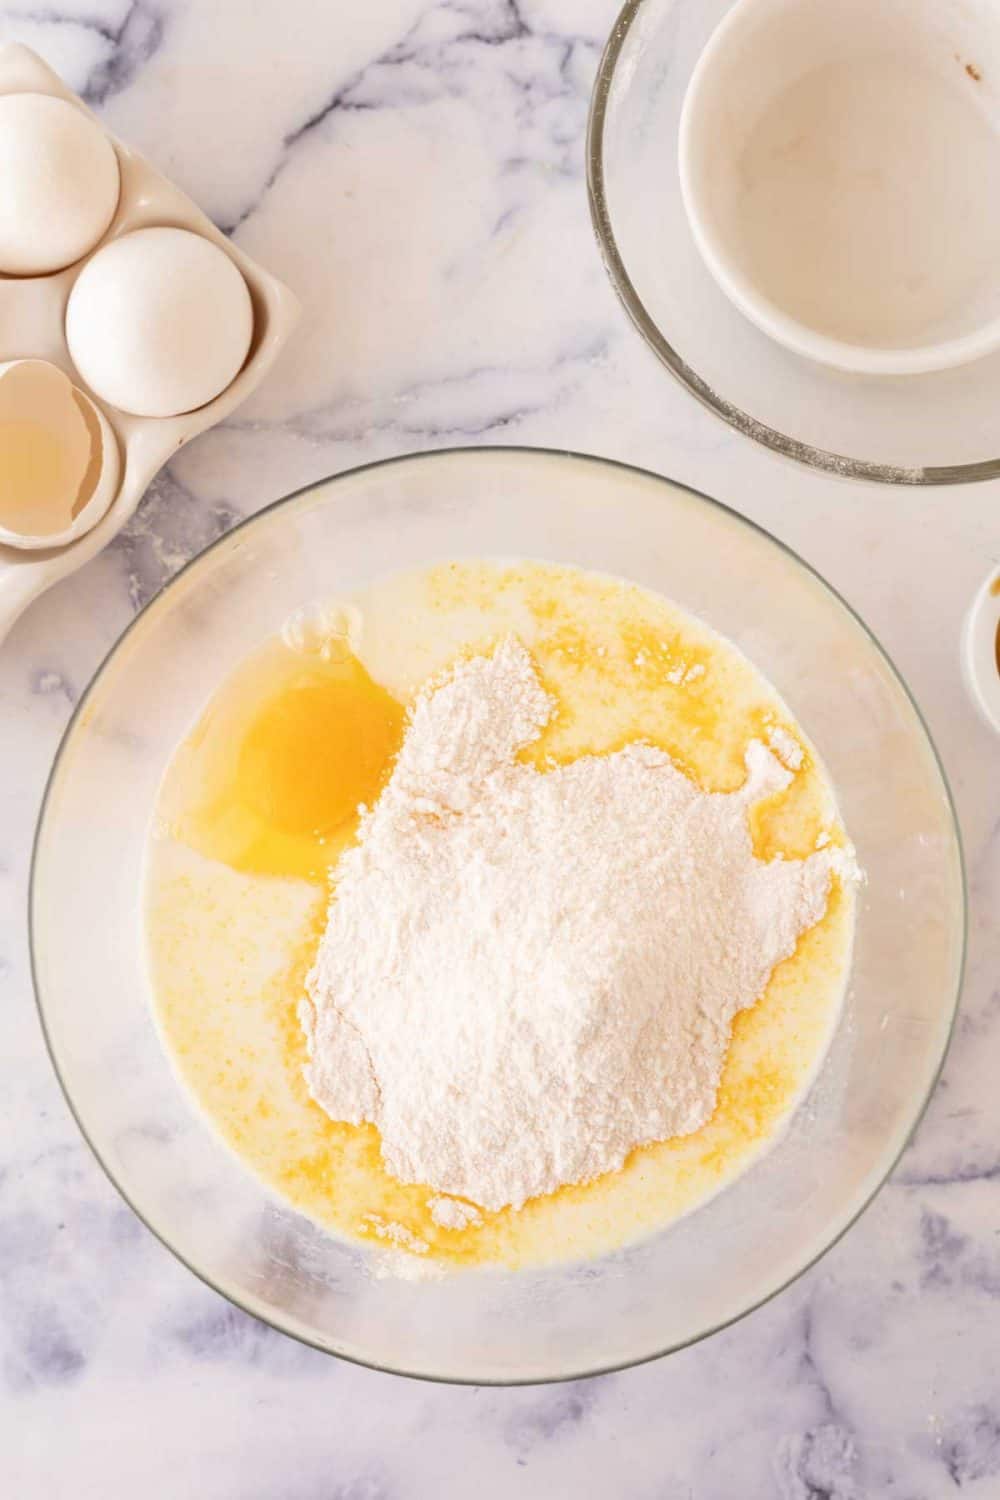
x=526, y=974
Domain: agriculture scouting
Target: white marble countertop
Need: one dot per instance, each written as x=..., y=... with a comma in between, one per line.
x=414, y=170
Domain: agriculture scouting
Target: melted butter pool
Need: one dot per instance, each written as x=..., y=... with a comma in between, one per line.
x=233, y=919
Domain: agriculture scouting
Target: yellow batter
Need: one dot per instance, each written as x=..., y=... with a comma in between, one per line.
x=262, y=796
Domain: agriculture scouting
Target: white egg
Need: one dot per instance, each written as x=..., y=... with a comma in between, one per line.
x=159, y=322
x=60, y=184
x=59, y=462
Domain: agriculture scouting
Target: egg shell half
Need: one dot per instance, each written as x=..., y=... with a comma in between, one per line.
x=59, y=461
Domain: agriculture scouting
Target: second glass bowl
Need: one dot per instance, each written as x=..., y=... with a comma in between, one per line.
x=930, y=429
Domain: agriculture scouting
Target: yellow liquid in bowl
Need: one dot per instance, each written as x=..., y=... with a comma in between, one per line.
x=262, y=796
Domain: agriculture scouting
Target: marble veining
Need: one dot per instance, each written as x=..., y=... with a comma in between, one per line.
x=414, y=170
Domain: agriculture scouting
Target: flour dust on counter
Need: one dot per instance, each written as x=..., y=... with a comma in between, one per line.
x=503, y=921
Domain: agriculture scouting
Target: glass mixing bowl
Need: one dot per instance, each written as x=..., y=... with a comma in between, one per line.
x=491, y=1325
x=931, y=429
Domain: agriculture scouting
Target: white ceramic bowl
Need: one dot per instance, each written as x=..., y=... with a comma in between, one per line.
x=981, y=650
x=840, y=169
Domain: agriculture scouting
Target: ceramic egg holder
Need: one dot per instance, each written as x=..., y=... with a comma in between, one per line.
x=32, y=317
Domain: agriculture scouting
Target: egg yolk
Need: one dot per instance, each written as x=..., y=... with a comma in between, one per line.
x=281, y=762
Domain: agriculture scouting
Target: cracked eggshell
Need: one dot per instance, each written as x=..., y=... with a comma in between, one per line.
x=60, y=180
x=59, y=460
x=159, y=322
